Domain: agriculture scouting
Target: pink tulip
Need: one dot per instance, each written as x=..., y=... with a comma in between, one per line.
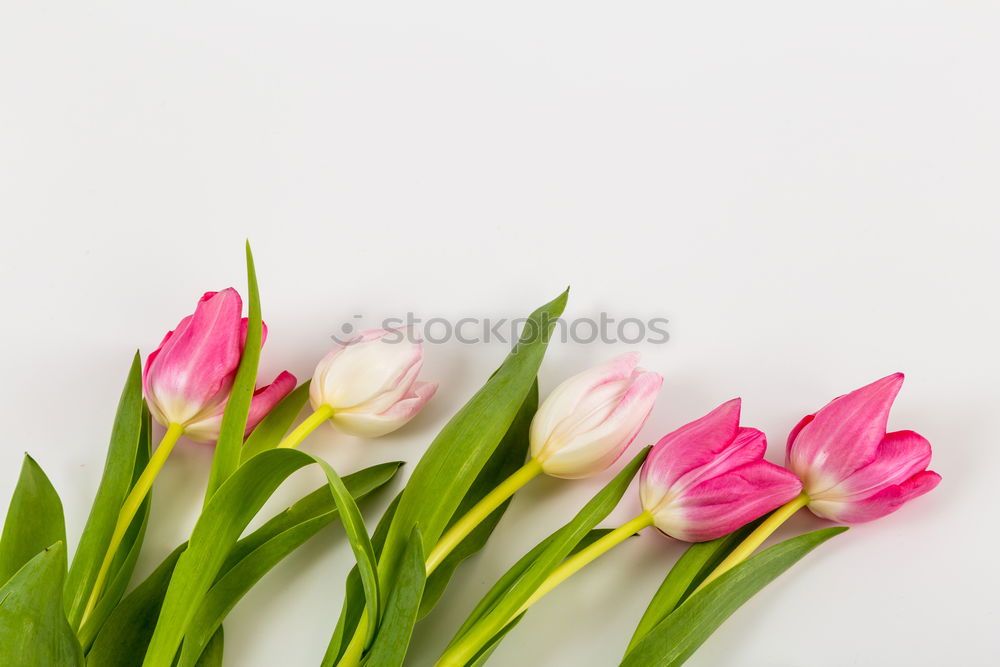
x=369, y=385
x=708, y=478
x=187, y=379
x=851, y=469
x=589, y=420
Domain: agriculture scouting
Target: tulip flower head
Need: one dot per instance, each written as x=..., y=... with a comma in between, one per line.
x=369, y=384
x=589, y=420
x=708, y=478
x=187, y=379
x=851, y=469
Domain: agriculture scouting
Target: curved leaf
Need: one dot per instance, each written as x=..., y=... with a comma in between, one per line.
x=119, y=468
x=33, y=626
x=393, y=638
x=34, y=521
x=272, y=428
x=672, y=641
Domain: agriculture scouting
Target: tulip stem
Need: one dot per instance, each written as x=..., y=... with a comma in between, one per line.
x=129, y=509
x=308, y=425
x=470, y=645
x=756, y=538
x=577, y=561
x=492, y=500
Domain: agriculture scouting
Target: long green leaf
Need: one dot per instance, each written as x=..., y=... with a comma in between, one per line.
x=212, y=655
x=269, y=432
x=125, y=635
x=123, y=640
x=217, y=530
x=256, y=554
x=127, y=555
x=508, y=457
x=393, y=638
x=33, y=626
x=455, y=457
x=672, y=641
x=567, y=537
x=696, y=563
x=34, y=520
x=354, y=595
x=116, y=482
x=234, y=420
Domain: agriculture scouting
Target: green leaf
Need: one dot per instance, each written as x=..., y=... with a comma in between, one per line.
x=508, y=457
x=116, y=481
x=272, y=428
x=394, y=633
x=227, y=514
x=33, y=627
x=354, y=596
x=212, y=655
x=256, y=554
x=124, y=637
x=697, y=562
x=561, y=545
x=34, y=521
x=454, y=459
x=234, y=420
x=127, y=555
x=674, y=639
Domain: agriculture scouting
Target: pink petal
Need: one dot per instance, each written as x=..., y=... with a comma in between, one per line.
x=843, y=435
x=692, y=446
x=883, y=502
x=373, y=425
x=265, y=398
x=899, y=456
x=721, y=504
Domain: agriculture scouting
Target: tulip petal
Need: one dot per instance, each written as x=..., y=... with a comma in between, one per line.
x=365, y=368
x=899, y=456
x=689, y=448
x=881, y=503
x=266, y=397
x=373, y=425
x=596, y=448
x=722, y=503
x=843, y=436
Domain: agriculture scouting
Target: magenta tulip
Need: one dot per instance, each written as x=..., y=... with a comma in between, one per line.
x=187, y=379
x=708, y=478
x=851, y=469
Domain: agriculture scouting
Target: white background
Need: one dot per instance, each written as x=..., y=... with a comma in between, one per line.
x=808, y=191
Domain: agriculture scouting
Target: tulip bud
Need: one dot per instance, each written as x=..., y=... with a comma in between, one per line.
x=589, y=420
x=370, y=383
x=187, y=379
x=851, y=469
x=708, y=478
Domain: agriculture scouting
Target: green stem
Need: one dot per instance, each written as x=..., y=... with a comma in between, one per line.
x=462, y=652
x=355, y=650
x=756, y=538
x=577, y=561
x=461, y=528
x=308, y=425
x=129, y=509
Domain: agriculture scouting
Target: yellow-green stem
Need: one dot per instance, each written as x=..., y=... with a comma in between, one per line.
x=462, y=652
x=461, y=528
x=577, y=561
x=756, y=538
x=129, y=509
x=308, y=425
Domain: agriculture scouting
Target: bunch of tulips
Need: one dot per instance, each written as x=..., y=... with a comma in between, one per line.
x=706, y=483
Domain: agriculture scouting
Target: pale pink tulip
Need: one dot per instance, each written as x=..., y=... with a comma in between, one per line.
x=708, y=478
x=851, y=469
x=589, y=420
x=187, y=379
x=370, y=383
